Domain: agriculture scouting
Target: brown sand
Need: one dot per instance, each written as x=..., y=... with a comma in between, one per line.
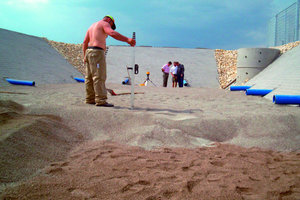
x=191, y=143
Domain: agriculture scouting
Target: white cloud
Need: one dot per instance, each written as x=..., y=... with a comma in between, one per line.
x=27, y=4
x=35, y=1
x=256, y=35
x=14, y=2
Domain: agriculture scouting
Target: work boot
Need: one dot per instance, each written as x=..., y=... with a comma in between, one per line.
x=105, y=104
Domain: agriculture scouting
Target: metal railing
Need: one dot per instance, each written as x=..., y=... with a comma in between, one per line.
x=284, y=27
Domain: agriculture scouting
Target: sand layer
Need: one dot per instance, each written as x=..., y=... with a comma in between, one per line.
x=105, y=170
x=183, y=143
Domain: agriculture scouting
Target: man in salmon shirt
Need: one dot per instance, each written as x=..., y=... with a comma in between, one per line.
x=94, y=46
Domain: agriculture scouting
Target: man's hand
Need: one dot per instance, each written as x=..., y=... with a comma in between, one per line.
x=131, y=42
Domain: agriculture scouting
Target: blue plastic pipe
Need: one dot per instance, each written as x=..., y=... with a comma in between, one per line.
x=239, y=88
x=20, y=82
x=125, y=81
x=185, y=83
x=286, y=99
x=258, y=92
x=79, y=79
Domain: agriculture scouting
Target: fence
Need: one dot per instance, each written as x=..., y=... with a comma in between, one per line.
x=284, y=27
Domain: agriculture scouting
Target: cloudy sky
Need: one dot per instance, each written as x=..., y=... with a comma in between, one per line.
x=215, y=24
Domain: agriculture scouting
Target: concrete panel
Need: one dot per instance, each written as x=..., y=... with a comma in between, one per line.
x=26, y=57
x=200, y=64
x=282, y=75
x=251, y=61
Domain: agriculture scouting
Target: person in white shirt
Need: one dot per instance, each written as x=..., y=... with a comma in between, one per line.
x=166, y=69
x=173, y=72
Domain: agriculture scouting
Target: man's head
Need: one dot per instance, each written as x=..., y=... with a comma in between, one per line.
x=111, y=21
x=169, y=63
x=176, y=63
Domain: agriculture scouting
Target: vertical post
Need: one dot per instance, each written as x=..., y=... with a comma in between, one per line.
x=285, y=27
x=276, y=30
x=132, y=74
x=297, y=21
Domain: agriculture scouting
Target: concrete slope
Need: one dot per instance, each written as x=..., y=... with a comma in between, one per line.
x=200, y=64
x=26, y=57
x=283, y=75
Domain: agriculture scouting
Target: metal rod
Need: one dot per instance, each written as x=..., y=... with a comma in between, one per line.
x=132, y=74
x=297, y=21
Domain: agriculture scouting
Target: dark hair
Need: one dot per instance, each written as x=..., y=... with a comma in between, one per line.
x=170, y=62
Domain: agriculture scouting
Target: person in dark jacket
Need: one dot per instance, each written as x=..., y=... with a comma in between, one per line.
x=180, y=74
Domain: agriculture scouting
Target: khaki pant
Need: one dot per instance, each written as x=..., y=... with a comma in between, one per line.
x=95, y=76
x=165, y=79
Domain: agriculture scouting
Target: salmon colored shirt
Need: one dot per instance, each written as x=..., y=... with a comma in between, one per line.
x=166, y=68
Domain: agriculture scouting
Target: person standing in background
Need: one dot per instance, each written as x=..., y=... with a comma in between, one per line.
x=180, y=74
x=173, y=72
x=166, y=69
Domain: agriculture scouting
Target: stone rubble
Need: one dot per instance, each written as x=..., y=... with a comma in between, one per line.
x=226, y=59
x=227, y=67
x=286, y=47
x=71, y=52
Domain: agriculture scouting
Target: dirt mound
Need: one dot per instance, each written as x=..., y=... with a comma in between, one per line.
x=30, y=142
x=105, y=170
x=160, y=150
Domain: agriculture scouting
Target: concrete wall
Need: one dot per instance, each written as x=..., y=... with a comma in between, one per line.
x=200, y=64
x=26, y=57
x=283, y=75
x=251, y=61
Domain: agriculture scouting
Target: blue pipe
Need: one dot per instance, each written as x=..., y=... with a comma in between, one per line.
x=125, y=81
x=185, y=83
x=79, y=79
x=258, y=92
x=286, y=99
x=239, y=88
x=20, y=82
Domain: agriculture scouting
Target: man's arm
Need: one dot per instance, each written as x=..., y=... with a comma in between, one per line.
x=171, y=72
x=108, y=30
x=85, y=44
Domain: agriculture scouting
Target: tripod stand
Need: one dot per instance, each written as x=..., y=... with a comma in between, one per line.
x=147, y=80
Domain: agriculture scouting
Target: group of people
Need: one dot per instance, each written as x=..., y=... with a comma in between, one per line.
x=176, y=71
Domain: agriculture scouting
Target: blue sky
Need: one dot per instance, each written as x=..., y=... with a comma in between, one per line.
x=215, y=24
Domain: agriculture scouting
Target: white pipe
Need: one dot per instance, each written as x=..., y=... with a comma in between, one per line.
x=132, y=75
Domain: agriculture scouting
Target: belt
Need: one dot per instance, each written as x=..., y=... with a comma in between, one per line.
x=94, y=47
